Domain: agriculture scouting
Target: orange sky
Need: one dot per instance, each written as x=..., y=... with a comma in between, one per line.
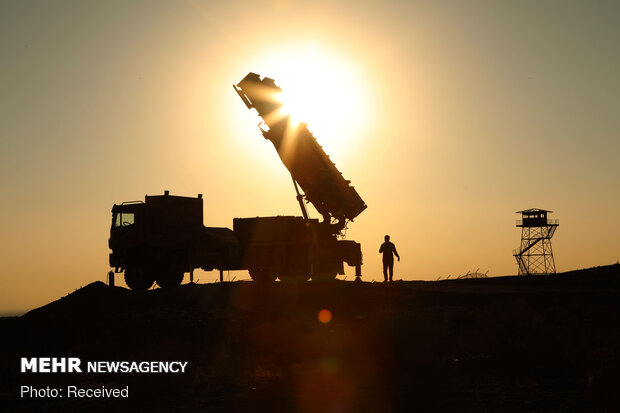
x=463, y=113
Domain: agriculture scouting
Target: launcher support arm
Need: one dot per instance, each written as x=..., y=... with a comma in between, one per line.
x=310, y=167
x=300, y=199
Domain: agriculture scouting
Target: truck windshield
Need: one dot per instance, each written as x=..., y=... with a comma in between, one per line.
x=124, y=219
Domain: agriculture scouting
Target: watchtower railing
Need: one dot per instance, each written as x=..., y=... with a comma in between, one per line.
x=549, y=222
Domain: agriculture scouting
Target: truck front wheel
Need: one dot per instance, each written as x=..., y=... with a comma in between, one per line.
x=260, y=274
x=170, y=279
x=138, y=279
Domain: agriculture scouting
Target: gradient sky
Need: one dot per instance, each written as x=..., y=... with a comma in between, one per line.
x=465, y=112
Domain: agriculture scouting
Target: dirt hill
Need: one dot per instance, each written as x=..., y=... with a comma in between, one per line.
x=499, y=344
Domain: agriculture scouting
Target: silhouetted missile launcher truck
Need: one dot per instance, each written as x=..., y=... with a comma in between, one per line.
x=162, y=238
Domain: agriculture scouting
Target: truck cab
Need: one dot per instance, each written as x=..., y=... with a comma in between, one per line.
x=162, y=238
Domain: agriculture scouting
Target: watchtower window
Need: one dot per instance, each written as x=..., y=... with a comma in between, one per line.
x=124, y=219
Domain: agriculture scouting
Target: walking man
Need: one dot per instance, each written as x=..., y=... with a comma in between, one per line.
x=389, y=250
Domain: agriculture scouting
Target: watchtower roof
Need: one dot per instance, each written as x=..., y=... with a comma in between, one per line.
x=532, y=211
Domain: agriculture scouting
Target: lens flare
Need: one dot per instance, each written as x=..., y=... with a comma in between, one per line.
x=325, y=316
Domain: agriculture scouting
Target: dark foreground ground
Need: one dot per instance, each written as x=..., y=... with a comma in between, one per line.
x=542, y=344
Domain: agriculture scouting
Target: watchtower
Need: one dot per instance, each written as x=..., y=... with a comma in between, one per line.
x=535, y=255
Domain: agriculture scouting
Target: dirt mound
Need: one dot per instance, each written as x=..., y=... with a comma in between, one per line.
x=91, y=299
x=496, y=344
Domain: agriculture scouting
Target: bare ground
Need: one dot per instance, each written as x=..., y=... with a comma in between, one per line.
x=542, y=344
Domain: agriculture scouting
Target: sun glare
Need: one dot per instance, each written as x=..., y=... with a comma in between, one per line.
x=322, y=90
x=294, y=108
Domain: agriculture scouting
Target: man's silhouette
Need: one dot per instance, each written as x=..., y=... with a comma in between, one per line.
x=389, y=250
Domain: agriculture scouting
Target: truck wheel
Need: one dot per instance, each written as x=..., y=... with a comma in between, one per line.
x=138, y=279
x=324, y=276
x=170, y=279
x=259, y=274
x=293, y=277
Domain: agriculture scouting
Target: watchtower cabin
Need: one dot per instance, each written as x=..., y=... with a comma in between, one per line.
x=535, y=255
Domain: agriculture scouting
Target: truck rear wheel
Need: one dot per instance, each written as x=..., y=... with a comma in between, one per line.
x=293, y=277
x=138, y=279
x=324, y=276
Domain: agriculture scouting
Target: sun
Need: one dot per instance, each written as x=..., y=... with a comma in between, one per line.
x=323, y=90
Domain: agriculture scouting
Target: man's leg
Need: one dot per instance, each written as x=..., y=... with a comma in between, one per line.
x=385, y=268
x=391, y=266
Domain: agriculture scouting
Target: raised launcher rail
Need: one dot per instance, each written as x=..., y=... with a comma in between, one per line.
x=310, y=167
